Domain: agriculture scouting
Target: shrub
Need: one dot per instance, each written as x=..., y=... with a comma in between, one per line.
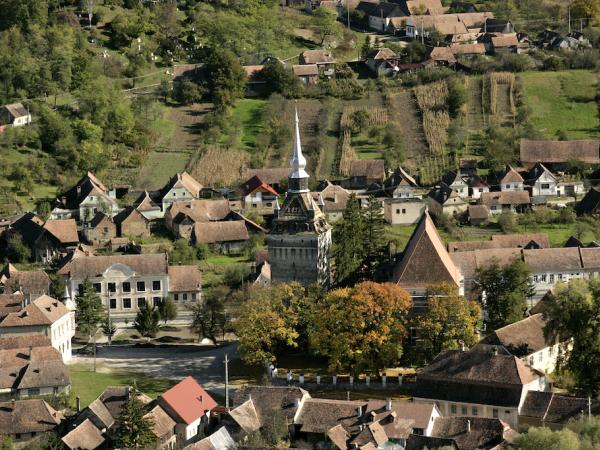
x=507, y=222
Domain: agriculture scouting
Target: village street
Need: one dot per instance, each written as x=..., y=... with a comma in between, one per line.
x=205, y=364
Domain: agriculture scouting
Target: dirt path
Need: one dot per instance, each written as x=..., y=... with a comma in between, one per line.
x=475, y=119
x=188, y=121
x=406, y=114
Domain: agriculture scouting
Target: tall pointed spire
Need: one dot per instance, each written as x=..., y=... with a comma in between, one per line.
x=298, y=176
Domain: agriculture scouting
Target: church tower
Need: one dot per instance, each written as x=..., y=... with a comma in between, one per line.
x=300, y=238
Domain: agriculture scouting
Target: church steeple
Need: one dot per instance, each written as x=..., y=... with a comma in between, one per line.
x=298, y=178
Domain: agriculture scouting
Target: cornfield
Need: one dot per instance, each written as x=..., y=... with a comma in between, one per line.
x=501, y=78
x=432, y=168
x=220, y=166
x=435, y=126
x=432, y=96
x=347, y=153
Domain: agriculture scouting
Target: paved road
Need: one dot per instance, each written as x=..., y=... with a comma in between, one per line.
x=177, y=362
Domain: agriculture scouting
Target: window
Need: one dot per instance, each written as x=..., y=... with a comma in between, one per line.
x=560, y=277
x=80, y=289
x=193, y=296
x=495, y=413
x=474, y=410
x=141, y=286
x=157, y=301
x=184, y=297
x=403, y=211
x=254, y=205
x=545, y=186
x=175, y=297
x=55, y=390
x=480, y=190
x=112, y=287
x=106, y=229
x=508, y=186
x=141, y=302
x=452, y=409
x=156, y=285
x=397, y=210
x=531, y=361
x=541, y=357
x=126, y=286
x=463, y=410
x=535, y=278
x=550, y=351
x=126, y=303
x=113, y=303
x=18, y=436
x=551, y=278
x=544, y=278
x=98, y=287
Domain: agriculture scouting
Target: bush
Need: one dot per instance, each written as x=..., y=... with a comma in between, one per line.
x=202, y=251
x=457, y=96
x=235, y=274
x=507, y=222
x=512, y=62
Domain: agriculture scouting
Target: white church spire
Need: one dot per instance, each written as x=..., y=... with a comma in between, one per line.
x=298, y=161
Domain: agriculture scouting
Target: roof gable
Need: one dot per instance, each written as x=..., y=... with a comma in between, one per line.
x=188, y=400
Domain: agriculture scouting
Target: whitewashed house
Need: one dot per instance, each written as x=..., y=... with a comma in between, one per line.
x=512, y=180
x=543, y=182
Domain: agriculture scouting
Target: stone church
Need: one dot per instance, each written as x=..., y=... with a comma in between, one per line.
x=300, y=239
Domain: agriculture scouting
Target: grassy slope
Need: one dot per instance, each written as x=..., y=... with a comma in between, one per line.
x=249, y=114
x=563, y=101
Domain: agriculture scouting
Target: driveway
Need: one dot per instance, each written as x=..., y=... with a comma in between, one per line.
x=206, y=365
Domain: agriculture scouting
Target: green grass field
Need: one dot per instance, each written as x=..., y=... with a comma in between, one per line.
x=563, y=101
x=249, y=114
x=88, y=385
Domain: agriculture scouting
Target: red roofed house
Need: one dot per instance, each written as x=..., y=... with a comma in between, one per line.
x=189, y=405
x=258, y=196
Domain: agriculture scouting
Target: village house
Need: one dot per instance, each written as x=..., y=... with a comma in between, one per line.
x=255, y=81
x=85, y=199
x=403, y=211
x=382, y=61
x=401, y=185
x=125, y=283
x=460, y=383
x=364, y=172
x=590, y=203
x=220, y=439
x=332, y=200
x=132, y=223
x=44, y=315
x=10, y=303
x=180, y=188
x=84, y=436
x=308, y=73
x=228, y=236
x=273, y=176
x=190, y=406
x=525, y=339
x=521, y=240
x=15, y=115
x=181, y=217
x=557, y=155
x=553, y=410
x=323, y=59
x=511, y=180
x=30, y=282
x=441, y=56
x=100, y=229
x=185, y=283
x=465, y=433
x=25, y=420
x=57, y=238
x=467, y=50
x=32, y=371
x=149, y=208
x=543, y=182
x=446, y=201
x=477, y=186
x=499, y=202
x=380, y=14
x=501, y=26
x=502, y=43
x=478, y=214
x=446, y=25
x=258, y=197
x=163, y=428
x=455, y=182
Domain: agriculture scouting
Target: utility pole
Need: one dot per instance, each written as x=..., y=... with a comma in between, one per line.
x=226, y=362
x=569, y=9
x=95, y=351
x=422, y=35
x=589, y=407
x=348, y=11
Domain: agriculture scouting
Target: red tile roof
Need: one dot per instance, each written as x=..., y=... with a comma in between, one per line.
x=189, y=400
x=255, y=183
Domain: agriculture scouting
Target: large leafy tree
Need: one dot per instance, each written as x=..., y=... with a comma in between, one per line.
x=361, y=329
x=133, y=430
x=90, y=310
x=326, y=25
x=225, y=77
x=209, y=317
x=573, y=313
x=506, y=290
x=281, y=80
x=449, y=319
x=147, y=321
x=268, y=322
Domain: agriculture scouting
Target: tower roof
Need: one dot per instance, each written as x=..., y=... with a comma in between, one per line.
x=425, y=260
x=298, y=161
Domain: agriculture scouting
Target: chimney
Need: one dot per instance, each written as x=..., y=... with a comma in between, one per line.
x=78, y=403
x=468, y=426
x=495, y=351
x=388, y=404
x=78, y=190
x=463, y=347
x=359, y=411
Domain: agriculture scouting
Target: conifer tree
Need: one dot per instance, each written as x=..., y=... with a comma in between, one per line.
x=90, y=311
x=133, y=430
x=348, y=244
x=147, y=321
x=373, y=238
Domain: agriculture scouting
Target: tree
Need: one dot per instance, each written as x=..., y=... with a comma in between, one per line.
x=182, y=253
x=457, y=96
x=281, y=80
x=133, y=430
x=347, y=239
x=449, y=320
x=6, y=443
x=235, y=274
x=109, y=329
x=573, y=313
x=366, y=47
x=167, y=309
x=505, y=290
x=268, y=320
x=361, y=329
x=374, y=243
x=585, y=9
x=225, y=77
x=209, y=317
x=507, y=221
x=538, y=438
x=147, y=321
x=90, y=310
x=326, y=25
x=16, y=250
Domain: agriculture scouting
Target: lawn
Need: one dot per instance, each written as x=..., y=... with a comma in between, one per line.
x=248, y=112
x=213, y=268
x=563, y=101
x=88, y=385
